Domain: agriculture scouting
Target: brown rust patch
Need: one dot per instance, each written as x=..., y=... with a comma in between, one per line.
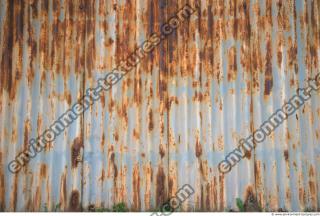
x=170, y=186
x=268, y=69
x=136, y=205
x=136, y=133
x=63, y=190
x=160, y=187
x=116, y=136
x=221, y=186
x=74, y=202
x=150, y=125
x=251, y=203
x=286, y=155
x=198, y=148
x=102, y=142
x=248, y=155
x=102, y=176
x=292, y=53
x=232, y=64
x=43, y=170
x=76, y=155
x=161, y=151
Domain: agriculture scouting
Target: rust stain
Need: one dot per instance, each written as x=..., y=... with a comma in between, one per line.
x=136, y=188
x=76, y=149
x=74, y=202
x=161, y=150
x=232, y=66
x=160, y=187
x=150, y=125
x=250, y=204
x=198, y=149
x=43, y=170
x=268, y=71
x=286, y=155
x=63, y=191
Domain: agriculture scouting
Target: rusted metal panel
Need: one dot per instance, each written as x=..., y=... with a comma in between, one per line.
x=173, y=118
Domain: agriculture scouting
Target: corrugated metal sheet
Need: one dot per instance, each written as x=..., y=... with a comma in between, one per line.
x=171, y=120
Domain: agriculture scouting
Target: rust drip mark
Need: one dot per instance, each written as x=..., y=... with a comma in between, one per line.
x=257, y=171
x=116, y=136
x=215, y=193
x=161, y=150
x=170, y=186
x=74, y=202
x=198, y=96
x=113, y=167
x=283, y=17
x=102, y=177
x=151, y=125
x=198, y=148
x=63, y=190
x=232, y=64
x=137, y=93
x=204, y=169
x=221, y=186
x=208, y=197
x=279, y=56
x=26, y=134
x=160, y=187
x=68, y=98
x=268, y=85
x=136, y=133
x=103, y=100
x=312, y=185
x=286, y=155
x=7, y=43
x=136, y=188
x=43, y=170
x=247, y=154
x=292, y=53
x=76, y=153
x=102, y=142
x=162, y=88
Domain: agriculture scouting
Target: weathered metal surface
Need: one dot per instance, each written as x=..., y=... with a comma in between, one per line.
x=171, y=120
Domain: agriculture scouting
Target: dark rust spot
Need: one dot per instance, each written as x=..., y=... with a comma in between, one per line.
x=116, y=136
x=150, y=126
x=74, y=204
x=136, y=188
x=286, y=155
x=198, y=148
x=110, y=41
x=136, y=133
x=251, y=203
x=268, y=73
x=76, y=156
x=161, y=151
x=160, y=187
x=232, y=64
